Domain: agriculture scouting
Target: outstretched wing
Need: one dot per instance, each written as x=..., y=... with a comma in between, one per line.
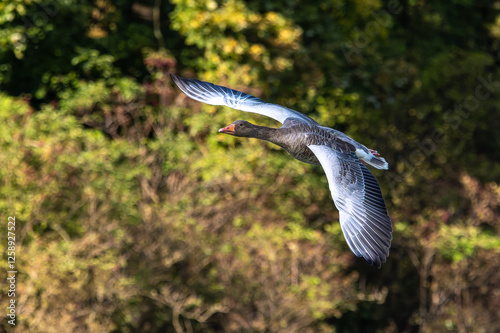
x=363, y=217
x=212, y=94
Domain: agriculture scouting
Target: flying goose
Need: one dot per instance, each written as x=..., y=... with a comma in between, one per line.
x=362, y=213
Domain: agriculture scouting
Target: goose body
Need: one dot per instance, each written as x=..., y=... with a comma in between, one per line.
x=363, y=216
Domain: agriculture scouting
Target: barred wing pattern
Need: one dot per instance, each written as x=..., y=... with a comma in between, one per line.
x=213, y=94
x=363, y=217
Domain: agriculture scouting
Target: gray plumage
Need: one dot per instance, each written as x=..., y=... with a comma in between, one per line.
x=362, y=213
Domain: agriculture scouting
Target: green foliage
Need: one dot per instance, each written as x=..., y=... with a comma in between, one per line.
x=135, y=215
x=458, y=243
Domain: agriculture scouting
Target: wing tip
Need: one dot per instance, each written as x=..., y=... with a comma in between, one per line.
x=179, y=81
x=372, y=255
x=175, y=78
x=200, y=91
x=377, y=261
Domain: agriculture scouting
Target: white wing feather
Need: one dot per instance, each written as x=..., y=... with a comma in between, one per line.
x=363, y=217
x=212, y=94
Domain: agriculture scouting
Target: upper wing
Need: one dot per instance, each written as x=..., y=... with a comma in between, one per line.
x=217, y=95
x=363, y=217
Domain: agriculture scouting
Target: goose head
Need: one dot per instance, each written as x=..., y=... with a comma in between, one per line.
x=240, y=128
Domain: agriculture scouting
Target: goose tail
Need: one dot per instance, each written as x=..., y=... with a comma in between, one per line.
x=378, y=162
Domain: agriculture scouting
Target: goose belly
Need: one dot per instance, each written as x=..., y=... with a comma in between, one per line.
x=296, y=146
x=304, y=155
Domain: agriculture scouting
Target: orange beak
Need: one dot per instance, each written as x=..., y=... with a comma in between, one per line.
x=227, y=130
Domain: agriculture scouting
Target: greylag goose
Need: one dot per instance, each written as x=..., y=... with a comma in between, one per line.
x=362, y=213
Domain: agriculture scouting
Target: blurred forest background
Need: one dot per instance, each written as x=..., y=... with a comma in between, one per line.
x=134, y=215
